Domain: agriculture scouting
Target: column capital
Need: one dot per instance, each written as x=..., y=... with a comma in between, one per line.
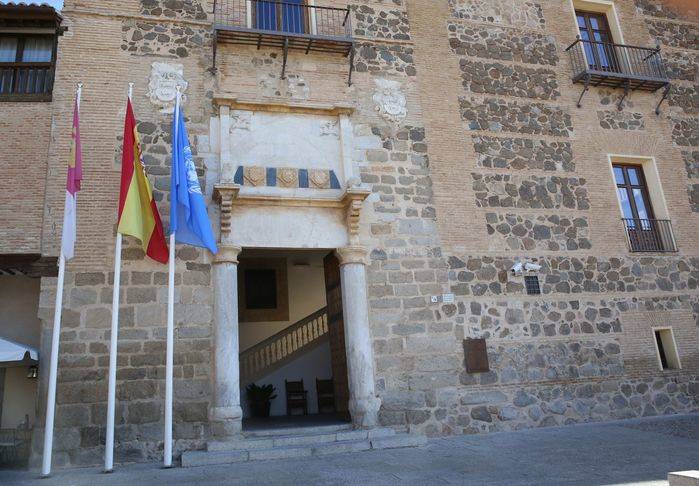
x=227, y=254
x=352, y=254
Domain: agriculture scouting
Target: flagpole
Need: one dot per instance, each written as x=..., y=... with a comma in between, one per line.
x=113, y=343
x=55, y=340
x=167, y=445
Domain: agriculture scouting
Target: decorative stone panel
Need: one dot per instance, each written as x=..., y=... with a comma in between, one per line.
x=385, y=59
x=157, y=39
x=507, y=12
x=621, y=120
x=500, y=79
x=514, y=191
x=174, y=9
x=538, y=232
x=683, y=36
x=381, y=23
x=684, y=97
x=503, y=44
x=685, y=132
x=523, y=154
x=498, y=115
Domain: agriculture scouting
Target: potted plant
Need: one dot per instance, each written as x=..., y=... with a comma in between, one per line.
x=260, y=399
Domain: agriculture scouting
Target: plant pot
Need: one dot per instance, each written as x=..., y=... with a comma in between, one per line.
x=260, y=409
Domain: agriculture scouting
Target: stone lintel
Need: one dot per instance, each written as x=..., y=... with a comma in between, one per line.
x=251, y=104
x=352, y=254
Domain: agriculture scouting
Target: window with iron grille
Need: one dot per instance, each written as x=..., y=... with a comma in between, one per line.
x=26, y=67
x=531, y=283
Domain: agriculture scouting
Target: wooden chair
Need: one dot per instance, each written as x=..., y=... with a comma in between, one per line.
x=296, y=396
x=326, y=394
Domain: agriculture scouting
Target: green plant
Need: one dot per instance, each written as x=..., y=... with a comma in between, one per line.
x=260, y=394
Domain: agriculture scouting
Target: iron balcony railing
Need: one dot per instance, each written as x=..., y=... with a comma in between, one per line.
x=649, y=235
x=618, y=60
x=26, y=81
x=285, y=18
x=618, y=66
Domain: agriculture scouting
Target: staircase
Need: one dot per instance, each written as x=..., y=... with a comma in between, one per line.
x=302, y=442
x=285, y=346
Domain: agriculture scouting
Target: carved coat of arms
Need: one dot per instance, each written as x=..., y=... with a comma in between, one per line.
x=162, y=86
x=389, y=100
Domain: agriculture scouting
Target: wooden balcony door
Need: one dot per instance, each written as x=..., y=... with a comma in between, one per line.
x=632, y=191
x=287, y=16
x=598, y=41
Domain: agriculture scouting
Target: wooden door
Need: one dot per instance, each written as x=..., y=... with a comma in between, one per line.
x=597, y=38
x=336, y=331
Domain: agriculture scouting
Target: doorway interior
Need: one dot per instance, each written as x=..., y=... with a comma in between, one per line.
x=293, y=364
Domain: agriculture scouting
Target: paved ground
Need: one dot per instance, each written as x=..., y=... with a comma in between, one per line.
x=630, y=452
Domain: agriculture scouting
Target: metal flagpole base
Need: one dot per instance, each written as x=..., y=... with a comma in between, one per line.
x=108, y=471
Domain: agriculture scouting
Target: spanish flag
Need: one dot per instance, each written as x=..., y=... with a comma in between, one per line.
x=138, y=214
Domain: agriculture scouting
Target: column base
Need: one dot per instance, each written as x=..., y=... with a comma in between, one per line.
x=365, y=412
x=226, y=421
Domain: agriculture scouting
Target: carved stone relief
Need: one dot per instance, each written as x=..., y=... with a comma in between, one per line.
x=389, y=100
x=162, y=86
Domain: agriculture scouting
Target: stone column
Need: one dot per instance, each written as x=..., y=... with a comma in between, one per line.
x=363, y=404
x=226, y=414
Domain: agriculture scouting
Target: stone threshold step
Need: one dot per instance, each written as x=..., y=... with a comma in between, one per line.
x=267, y=442
x=211, y=458
x=317, y=429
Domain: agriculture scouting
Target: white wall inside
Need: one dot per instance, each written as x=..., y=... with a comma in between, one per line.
x=19, y=398
x=308, y=367
x=19, y=304
x=306, y=294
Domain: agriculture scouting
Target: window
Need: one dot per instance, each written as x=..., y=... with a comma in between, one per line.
x=597, y=39
x=644, y=232
x=263, y=293
x=260, y=288
x=289, y=16
x=531, y=283
x=632, y=192
x=26, y=67
x=666, y=349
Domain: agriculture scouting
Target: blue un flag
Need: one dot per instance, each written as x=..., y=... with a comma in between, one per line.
x=189, y=220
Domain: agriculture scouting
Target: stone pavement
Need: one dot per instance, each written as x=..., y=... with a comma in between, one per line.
x=640, y=451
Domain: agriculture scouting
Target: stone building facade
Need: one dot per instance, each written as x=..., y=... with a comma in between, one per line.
x=462, y=152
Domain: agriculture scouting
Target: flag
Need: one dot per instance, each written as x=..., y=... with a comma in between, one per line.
x=189, y=221
x=75, y=175
x=138, y=214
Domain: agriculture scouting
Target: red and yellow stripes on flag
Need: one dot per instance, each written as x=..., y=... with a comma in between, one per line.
x=138, y=214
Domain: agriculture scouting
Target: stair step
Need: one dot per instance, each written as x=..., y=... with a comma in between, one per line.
x=399, y=441
x=266, y=442
x=260, y=449
x=318, y=429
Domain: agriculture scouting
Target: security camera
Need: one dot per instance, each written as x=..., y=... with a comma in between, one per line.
x=517, y=268
x=532, y=267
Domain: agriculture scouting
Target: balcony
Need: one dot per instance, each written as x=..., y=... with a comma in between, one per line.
x=650, y=235
x=23, y=81
x=618, y=66
x=284, y=25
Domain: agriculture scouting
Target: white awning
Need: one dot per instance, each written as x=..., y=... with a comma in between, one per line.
x=11, y=351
